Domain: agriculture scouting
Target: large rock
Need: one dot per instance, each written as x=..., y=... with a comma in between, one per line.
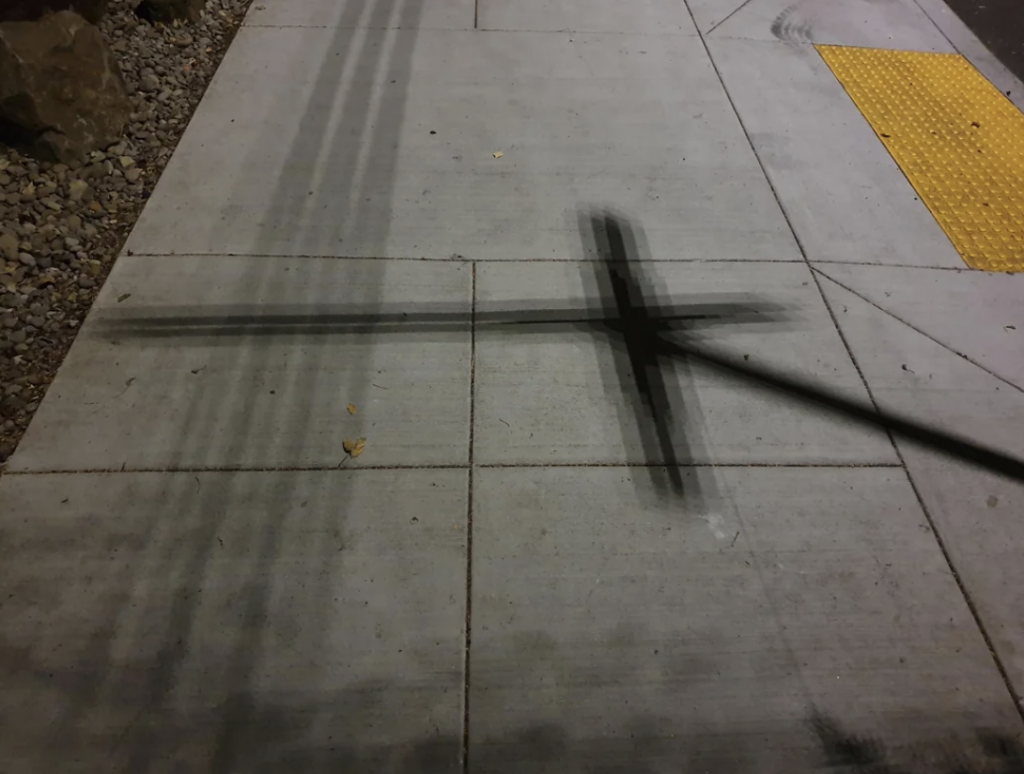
x=31, y=10
x=61, y=93
x=169, y=10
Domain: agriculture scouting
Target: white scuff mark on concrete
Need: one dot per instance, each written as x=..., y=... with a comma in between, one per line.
x=717, y=525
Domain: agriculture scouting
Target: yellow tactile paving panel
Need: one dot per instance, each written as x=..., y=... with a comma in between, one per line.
x=956, y=137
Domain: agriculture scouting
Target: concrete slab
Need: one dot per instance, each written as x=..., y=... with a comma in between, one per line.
x=382, y=14
x=978, y=515
x=899, y=24
x=611, y=636
x=644, y=16
x=974, y=512
x=218, y=395
x=845, y=196
x=988, y=328
x=555, y=397
x=381, y=144
x=924, y=378
x=708, y=14
x=243, y=622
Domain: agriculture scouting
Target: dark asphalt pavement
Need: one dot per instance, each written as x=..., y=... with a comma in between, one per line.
x=1000, y=25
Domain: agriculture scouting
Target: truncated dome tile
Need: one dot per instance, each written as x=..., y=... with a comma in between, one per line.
x=958, y=140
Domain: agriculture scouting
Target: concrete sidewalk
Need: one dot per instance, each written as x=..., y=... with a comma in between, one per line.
x=368, y=199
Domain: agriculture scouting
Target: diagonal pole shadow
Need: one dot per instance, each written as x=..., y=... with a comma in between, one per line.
x=953, y=446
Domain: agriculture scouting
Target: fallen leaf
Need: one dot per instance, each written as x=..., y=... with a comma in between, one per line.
x=354, y=448
x=497, y=154
x=351, y=408
x=123, y=297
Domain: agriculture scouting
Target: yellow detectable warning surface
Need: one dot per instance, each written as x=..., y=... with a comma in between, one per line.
x=958, y=140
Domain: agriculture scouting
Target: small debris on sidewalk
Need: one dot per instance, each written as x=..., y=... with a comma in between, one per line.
x=497, y=154
x=351, y=408
x=353, y=448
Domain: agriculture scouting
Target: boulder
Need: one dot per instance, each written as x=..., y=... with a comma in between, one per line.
x=32, y=10
x=61, y=93
x=167, y=11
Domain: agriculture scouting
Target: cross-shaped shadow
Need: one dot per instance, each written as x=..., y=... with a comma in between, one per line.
x=647, y=336
x=634, y=332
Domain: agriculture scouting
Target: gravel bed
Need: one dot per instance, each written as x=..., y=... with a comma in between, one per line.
x=62, y=225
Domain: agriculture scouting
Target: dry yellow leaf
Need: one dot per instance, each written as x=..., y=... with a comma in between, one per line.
x=351, y=408
x=354, y=448
x=497, y=154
